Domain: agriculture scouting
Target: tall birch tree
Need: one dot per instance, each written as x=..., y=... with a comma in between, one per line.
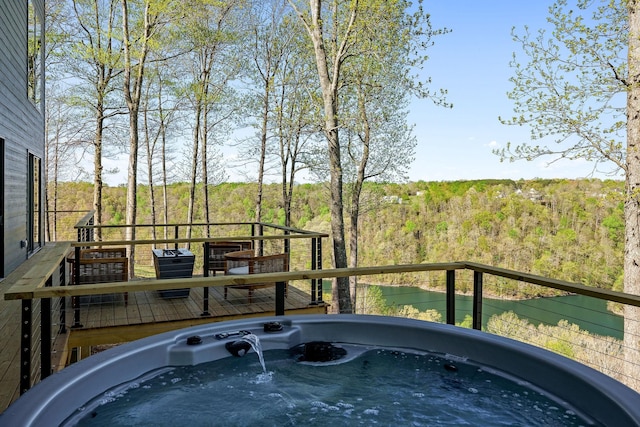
x=377, y=36
x=331, y=45
x=380, y=81
x=209, y=33
x=140, y=22
x=92, y=56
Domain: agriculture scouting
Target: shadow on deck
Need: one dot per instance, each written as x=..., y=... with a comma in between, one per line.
x=105, y=319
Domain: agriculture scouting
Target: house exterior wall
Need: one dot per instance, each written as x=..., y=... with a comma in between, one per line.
x=21, y=128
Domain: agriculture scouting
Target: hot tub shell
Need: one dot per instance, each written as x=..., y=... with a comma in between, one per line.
x=592, y=393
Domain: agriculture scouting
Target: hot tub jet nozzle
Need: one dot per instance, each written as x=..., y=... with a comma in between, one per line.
x=238, y=348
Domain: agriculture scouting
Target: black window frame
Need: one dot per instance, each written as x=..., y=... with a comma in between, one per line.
x=35, y=230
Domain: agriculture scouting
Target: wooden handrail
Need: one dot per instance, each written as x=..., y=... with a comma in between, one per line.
x=83, y=222
x=17, y=292
x=162, y=284
x=213, y=224
x=192, y=240
x=39, y=268
x=576, y=288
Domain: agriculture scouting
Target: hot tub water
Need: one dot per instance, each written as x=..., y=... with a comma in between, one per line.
x=369, y=386
x=390, y=371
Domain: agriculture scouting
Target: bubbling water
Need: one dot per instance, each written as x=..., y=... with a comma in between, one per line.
x=372, y=386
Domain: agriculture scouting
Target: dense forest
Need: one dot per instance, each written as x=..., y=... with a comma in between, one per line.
x=565, y=229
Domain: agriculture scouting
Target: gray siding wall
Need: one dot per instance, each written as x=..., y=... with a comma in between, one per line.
x=21, y=126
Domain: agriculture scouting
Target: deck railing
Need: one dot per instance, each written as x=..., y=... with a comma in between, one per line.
x=31, y=292
x=43, y=293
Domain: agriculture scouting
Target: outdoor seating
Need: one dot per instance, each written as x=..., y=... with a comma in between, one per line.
x=245, y=262
x=217, y=252
x=101, y=265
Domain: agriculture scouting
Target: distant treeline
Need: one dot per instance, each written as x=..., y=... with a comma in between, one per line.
x=565, y=229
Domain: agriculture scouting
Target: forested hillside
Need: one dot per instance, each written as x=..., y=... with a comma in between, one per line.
x=565, y=229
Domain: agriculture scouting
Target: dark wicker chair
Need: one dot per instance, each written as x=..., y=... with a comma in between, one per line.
x=245, y=262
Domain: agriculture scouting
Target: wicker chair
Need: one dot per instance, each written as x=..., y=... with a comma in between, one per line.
x=245, y=262
x=218, y=250
x=102, y=266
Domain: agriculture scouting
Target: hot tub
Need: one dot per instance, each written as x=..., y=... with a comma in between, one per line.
x=599, y=397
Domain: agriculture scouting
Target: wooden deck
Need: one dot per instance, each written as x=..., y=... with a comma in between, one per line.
x=32, y=270
x=10, y=348
x=105, y=319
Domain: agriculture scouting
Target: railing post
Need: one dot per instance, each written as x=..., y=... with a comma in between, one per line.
x=176, y=234
x=91, y=231
x=280, y=294
x=25, y=345
x=75, y=300
x=287, y=243
x=451, y=297
x=477, y=300
x=319, y=267
x=205, y=273
x=313, y=267
x=63, y=300
x=45, y=333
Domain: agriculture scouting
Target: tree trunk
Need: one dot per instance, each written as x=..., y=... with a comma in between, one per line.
x=632, y=203
x=194, y=167
x=287, y=188
x=165, y=196
x=205, y=175
x=263, y=153
x=132, y=95
x=150, y=150
x=131, y=210
x=163, y=143
x=357, y=191
x=341, y=295
x=353, y=248
x=97, y=171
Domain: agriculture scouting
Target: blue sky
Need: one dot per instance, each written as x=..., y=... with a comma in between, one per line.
x=472, y=63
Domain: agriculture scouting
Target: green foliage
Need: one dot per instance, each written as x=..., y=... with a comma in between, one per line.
x=409, y=226
x=118, y=218
x=560, y=233
x=514, y=234
x=565, y=338
x=614, y=224
x=467, y=322
x=567, y=84
x=411, y=312
x=562, y=347
x=371, y=301
x=324, y=210
x=442, y=227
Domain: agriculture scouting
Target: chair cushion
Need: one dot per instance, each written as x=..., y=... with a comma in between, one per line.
x=239, y=270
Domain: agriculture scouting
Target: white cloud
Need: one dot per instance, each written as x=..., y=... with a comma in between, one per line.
x=493, y=144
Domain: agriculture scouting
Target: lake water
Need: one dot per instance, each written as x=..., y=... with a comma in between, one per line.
x=589, y=313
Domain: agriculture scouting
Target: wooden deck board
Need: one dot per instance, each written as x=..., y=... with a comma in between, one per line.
x=145, y=307
x=132, y=311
